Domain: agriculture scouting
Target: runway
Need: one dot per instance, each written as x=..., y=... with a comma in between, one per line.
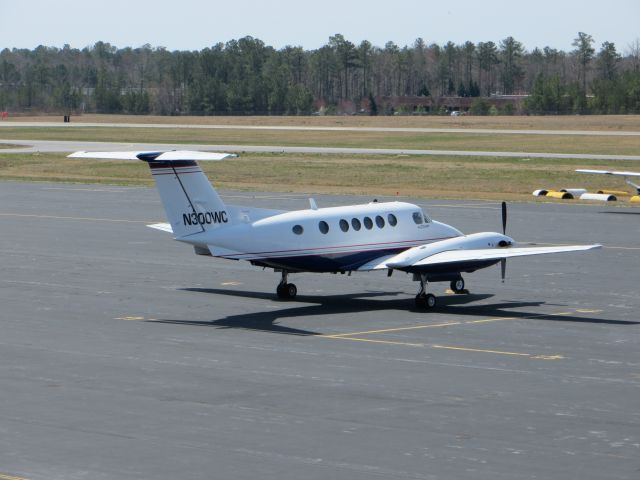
x=124, y=355
x=31, y=146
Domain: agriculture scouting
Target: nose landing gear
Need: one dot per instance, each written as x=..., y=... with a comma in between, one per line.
x=286, y=291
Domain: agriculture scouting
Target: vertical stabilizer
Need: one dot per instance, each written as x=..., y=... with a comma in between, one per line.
x=191, y=203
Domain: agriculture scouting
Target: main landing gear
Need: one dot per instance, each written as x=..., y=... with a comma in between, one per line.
x=425, y=300
x=286, y=291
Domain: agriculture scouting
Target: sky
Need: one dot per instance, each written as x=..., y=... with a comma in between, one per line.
x=197, y=24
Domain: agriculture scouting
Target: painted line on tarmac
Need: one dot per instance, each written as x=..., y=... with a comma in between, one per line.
x=4, y=476
x=449, y=324
x=447, y=347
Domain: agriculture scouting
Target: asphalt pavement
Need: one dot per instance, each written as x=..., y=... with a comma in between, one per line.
x=124, y=355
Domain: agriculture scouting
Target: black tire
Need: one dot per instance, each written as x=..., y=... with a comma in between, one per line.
x=291, y=290
x=430, y=301
x=281, y=291
x=457, y=285
x=425, y=301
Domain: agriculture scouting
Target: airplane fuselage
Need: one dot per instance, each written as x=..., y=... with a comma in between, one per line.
x=335, y=239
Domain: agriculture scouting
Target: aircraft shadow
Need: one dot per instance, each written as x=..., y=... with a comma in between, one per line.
x=268, y=321
x=620, y=213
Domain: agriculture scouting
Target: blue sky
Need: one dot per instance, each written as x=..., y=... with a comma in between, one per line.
x=196, y=24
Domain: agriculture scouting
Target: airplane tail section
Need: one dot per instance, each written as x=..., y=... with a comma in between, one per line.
x=191, y=203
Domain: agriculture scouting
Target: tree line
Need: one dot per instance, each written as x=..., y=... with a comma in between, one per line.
x=245, y=76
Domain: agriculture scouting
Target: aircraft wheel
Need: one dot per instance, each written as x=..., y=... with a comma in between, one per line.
x=426, y=302
x=291, y=290
x=287, y=291
x=457, y=285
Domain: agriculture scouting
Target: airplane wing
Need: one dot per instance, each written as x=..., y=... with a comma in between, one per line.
x=469, y=257
x=609, y=172
x=464, y=256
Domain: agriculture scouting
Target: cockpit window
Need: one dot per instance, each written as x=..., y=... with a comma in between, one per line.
x=418, y=218
x=426, y=218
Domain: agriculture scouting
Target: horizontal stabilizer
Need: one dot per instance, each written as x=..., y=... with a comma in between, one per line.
x=165, y=227
x=172, y=155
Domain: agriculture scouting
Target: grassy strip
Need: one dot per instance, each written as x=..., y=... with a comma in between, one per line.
x=567, y=122
x=430, y=177
x=396, y=140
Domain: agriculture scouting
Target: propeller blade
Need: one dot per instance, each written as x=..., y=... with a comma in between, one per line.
x=504, y=218
x=503, y=268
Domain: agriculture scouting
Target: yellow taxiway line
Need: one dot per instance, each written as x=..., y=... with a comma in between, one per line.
x=4, y=476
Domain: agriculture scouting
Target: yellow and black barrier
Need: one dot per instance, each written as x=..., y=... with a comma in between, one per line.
x=559, y=195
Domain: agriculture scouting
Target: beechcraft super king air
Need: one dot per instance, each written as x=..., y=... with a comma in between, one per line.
x=384, y=236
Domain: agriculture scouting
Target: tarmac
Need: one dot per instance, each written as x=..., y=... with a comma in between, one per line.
x=124, y=355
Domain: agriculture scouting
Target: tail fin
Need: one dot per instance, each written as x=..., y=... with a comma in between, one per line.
x=191, y=203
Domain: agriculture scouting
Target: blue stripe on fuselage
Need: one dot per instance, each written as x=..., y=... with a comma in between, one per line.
x=334, y=262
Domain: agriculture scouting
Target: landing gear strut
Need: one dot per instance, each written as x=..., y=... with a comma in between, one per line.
x=425, y=300
x=286, y=291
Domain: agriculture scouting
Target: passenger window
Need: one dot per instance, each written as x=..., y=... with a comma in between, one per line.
x=355, y=223
x=418, y=218
x=323, y=226
x=297, y=229
x=344, y=225
x=380, y=221
x=393, y=221
x=368, y=223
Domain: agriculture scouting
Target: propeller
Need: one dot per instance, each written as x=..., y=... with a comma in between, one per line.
x=504, y=218
x=503, y=262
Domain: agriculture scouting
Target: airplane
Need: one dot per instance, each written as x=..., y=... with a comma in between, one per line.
x=622, y=174
x=385, y=236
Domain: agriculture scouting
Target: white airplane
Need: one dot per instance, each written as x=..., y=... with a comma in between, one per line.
x=357, y=238
x=621, y=174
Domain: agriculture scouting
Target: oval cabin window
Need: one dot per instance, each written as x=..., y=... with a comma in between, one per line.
x=323, y=226
x=344, y=225
x=297, y=229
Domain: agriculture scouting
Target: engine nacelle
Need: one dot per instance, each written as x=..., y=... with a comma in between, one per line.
x=474, y=241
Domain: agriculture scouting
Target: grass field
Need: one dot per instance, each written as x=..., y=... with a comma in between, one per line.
x=574, y=122
x=421, y=176
x=417, y=176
